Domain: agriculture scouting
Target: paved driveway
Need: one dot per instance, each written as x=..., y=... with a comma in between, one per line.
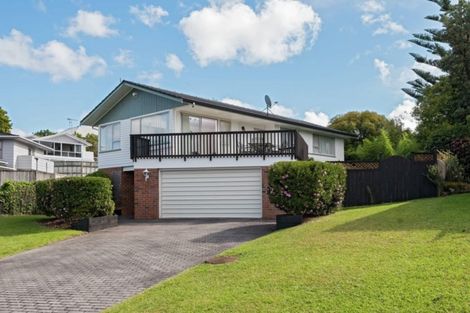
x=92, y=272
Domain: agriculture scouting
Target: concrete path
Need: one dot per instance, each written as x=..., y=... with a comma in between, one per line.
x=94, y=271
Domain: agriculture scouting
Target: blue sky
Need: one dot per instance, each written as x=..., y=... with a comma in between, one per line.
x=317, y=58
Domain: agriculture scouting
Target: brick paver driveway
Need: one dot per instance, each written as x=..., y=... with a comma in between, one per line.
x=92, y=272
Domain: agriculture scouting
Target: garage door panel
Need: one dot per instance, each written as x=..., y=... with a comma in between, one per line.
x=211, y=193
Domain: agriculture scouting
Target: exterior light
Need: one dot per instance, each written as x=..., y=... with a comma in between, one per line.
x=146, y=174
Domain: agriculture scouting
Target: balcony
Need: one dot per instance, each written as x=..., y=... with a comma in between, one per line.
x=277, y=143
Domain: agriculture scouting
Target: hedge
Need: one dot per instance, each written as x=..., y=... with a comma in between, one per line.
x=307, y=187
x=79, y=197
x=18, y=198
x=44, y=193
x=70, y=198
x=99, y=173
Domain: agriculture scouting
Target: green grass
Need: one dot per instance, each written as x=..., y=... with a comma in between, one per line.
x=20, y=233
x=403, y=257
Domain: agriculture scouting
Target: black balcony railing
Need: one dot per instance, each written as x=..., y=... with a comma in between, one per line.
x=276, y=143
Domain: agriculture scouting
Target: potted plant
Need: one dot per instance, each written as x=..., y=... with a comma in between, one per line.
x=302, y=188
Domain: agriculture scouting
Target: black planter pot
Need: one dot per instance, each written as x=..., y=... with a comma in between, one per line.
x=286, y=221
x=91, y=224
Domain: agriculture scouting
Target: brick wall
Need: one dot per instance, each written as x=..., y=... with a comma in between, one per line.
x=127, y=194
x=269, y=210
x=146, y=195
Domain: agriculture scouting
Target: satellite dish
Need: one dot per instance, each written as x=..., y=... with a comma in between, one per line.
x=268, y=102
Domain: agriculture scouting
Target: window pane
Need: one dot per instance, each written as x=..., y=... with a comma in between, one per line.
x=194, y=124
x=316, y=144
x=116, y=135
x=155, y=124
x=327, y=146
x=208, y=125
x=224, y=126
x=135, y=126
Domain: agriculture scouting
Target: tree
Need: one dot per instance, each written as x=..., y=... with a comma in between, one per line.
x=376, y=149
x=5, y=122
x=44, y=133
x=443, y=109
x=407, y=145
x=91, y=139
x=367, y=125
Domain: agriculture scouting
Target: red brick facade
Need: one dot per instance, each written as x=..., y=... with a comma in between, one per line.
x=269, y=210
x=139, y=199
x=146, y=195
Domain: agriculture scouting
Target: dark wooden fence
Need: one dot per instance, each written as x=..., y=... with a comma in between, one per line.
x=391, y=180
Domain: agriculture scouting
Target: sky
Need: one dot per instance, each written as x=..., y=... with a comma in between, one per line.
x=314, y=58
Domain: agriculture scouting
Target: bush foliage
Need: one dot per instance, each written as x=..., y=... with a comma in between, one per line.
x=78, y=197
x=99, y=173
x=70, y=198
x=307, y=187
x=17, y=198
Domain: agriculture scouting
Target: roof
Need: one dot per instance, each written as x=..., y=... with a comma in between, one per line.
x=51, y=138
x=24, y=140
x=126, y=86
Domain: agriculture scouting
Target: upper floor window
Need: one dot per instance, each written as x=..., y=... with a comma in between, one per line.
x=110, y=137
x=198, y=124
x=323, y=145
x=152, y=124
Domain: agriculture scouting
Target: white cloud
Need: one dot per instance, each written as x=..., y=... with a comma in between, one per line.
x=54, y=57
x=404, y=113
x=149, y=15
x=174, y=63
x=40, y=6
x=403, y=44
x=232, y=30
x=374, y=13
x=372, y=6
x=150, y=77
x=124, y=58
x=281, y=110
x=318, y=118
x=384, y=70
x=237, y=103
x=91, y=23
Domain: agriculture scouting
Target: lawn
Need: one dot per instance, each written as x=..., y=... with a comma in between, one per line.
x=20, y=233
x=403, y=257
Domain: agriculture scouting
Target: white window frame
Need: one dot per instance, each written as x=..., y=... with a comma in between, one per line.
x=113, y=124
x=168, y=112
x=320, y=137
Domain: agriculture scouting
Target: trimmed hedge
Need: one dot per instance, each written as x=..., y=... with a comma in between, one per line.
x=78, y=197
x=99, y=173
x=70, y=198
x=18, y=198
x=44, y=195
x=307, y=187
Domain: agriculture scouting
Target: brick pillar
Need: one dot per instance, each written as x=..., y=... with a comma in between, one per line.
x=146, y=195
x=127, y=194
x=269, y=210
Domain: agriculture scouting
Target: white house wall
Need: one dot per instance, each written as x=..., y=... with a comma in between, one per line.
x=119, y=158
x=339, y=148
x=8, y=153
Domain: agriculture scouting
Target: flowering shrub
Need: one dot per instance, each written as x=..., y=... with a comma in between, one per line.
x=307, y=187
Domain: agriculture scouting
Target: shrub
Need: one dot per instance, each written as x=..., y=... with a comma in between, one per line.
x=307, y=187
x=99, y=173
x=456, y=187
x=44, y=192
x=461, y=148
x=407, y=145
x=79, y=197
x=17, y=198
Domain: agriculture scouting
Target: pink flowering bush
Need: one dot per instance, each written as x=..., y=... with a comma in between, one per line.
x=307, y=187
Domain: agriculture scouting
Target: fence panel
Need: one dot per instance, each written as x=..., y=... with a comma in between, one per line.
x=391, y=180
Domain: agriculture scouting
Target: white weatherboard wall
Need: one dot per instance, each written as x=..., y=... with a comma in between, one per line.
x=121, y=157
x=211, y=193
x=32, y=163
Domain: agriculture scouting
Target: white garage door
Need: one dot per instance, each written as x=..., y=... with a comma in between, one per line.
x=221, y=193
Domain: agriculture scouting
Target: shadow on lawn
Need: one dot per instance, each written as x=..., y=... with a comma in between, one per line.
x=447, y=214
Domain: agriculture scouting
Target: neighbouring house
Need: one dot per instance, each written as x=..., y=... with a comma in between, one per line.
x=22, y=154
x=68, y=153
x=172, y=155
